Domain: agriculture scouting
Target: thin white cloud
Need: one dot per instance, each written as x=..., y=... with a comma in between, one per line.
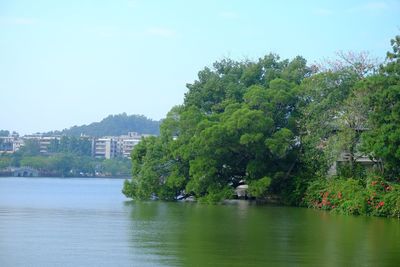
x=161, y=32
x=228, y=15
x=322, y=12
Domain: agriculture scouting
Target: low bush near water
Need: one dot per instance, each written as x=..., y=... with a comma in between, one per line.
x=374, y=196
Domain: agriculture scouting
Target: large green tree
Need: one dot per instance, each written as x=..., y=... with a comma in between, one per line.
x=237, y=123
x=383, y=137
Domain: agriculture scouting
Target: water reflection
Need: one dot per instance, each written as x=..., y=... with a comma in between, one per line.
x=86, y=222
x=187, y=234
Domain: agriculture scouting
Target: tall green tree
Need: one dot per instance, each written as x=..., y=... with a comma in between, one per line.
x=383, y=138
x=238, y=122
x=333, y=106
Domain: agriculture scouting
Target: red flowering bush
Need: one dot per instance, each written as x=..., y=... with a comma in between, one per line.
x=374, y=196
x=344, y=196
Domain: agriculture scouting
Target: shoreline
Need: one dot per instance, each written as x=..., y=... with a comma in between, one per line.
x=68, y=177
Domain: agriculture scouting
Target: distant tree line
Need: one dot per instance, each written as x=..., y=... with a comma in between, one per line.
x=69, y=156
x=71, y=144
x=115, y=125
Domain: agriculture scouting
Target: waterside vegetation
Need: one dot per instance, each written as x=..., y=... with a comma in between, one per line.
x=279, y=126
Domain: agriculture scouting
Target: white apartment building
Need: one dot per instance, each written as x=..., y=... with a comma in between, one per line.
x=115, y=146
x=125, y=143
x=105, y=147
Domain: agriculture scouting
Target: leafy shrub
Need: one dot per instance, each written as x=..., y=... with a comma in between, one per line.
x=259, y=188
x=215, y=196
x=374, y=196
x=344, y=196
x=128, y=190
x=383, y=197
x=391, y=207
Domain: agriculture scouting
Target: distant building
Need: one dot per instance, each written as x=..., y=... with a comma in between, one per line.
x=6, y=144
x=17, y=144
x=345, y=158
x=104, y=148
x=126, y=143
x=10, y=144
x=115, y=146
x=44, y=141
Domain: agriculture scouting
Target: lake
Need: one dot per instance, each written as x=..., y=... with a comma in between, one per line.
x=88, y=222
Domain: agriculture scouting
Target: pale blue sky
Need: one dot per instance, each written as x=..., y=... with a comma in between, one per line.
x=65, y=63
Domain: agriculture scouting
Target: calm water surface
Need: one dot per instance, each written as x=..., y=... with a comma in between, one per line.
x=88, y=222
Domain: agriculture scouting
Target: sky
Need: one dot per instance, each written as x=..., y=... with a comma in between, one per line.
x=66, y=63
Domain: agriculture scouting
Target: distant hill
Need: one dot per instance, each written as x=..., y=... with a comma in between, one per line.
x=116, y=125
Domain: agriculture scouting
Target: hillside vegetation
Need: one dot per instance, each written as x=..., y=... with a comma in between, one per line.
x=115, y=125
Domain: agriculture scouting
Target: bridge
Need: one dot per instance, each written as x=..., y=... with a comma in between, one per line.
x=25, y=172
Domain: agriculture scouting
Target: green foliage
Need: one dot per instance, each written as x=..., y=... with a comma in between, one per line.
x=390, y=205
x=344, y=196
x=376, y=197
x=383, y=138
x=321, y=109
x=79, y=146
x=128, y=189
x=281, y=142
x=31, y=148
x=5, y=162
x=236, y=123
x=356, y=171
x=115, y=125
x=67, y=164
x=259, y=188
x=214, y=197
x=149, y=169
x=279, y=125
x=115, y=167
x=383, y=197
x=37, y=162
x=294, y=191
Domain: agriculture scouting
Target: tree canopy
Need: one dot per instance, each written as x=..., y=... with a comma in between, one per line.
x=273, y=124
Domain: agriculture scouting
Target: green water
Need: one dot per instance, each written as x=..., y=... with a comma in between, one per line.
x=87, y=222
